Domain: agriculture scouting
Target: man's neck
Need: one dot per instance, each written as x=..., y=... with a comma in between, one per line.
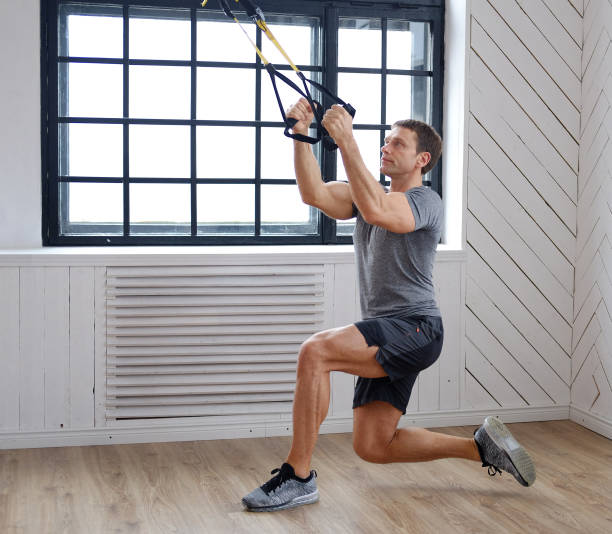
x=404, y=183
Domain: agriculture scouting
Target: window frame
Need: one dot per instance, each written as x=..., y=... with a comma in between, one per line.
x=431, y=11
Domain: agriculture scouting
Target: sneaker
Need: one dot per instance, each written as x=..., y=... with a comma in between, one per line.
x=283, y=491
x=499, y=450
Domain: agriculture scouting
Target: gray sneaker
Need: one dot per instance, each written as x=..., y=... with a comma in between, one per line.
x=499, y=450
x=283, y=491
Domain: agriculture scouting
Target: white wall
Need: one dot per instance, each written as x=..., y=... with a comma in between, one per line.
x=523, y=132
x=20, y=166
x=592, y=333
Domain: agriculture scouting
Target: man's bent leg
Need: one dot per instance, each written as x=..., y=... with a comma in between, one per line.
x=339, y=349
x=376, y=438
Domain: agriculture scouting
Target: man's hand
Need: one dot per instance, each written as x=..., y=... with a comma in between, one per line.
x=338, y=123
x=302, y=112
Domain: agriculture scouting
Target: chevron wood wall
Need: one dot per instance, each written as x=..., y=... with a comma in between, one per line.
x=592, y=334
x=525, y=76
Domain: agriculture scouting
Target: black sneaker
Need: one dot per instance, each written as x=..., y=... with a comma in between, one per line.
x=499, y=450
x=283, y=491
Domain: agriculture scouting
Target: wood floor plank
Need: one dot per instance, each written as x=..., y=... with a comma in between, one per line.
x=196, y=486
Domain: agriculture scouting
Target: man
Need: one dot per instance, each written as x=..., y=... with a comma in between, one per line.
x=396, y=236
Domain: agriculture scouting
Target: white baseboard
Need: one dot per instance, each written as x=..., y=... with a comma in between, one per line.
x=591, y=421
x=195, y=432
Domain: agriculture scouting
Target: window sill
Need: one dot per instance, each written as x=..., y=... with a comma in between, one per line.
x=102, y=256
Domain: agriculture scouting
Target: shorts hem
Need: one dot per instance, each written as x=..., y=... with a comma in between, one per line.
x=380, y=358
x=363, y=402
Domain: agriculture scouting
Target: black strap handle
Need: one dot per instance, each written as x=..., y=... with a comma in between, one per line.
x=316, y=107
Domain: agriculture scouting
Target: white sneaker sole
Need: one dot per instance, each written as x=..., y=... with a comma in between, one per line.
x=502, y=437
x=294, y=503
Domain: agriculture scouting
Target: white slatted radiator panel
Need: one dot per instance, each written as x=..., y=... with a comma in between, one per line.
x=207, y=341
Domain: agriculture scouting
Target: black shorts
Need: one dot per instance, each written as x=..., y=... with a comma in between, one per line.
x=407, y=345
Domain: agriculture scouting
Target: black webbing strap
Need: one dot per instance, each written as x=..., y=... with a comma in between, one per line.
x=316, y=107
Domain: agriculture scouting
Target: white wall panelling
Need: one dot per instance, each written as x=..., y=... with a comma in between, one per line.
x=523, y=135
x=72, y=327
x=592, y=326
x=9, y=353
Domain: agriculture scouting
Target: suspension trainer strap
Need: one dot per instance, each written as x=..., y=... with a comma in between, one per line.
x=258, y=18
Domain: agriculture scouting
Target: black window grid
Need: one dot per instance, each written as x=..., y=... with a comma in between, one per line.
x=329, y=13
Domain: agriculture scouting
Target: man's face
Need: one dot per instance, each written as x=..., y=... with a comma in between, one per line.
x=399, y=153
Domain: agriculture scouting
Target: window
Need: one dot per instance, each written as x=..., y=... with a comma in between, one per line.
x=161, y=127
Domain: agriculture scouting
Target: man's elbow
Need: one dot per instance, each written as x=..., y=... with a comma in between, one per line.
x=373, y=216
x=309, y=199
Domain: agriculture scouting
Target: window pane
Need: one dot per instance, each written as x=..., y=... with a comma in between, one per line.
x=298, y=36
x=363, y=92
x=226, y=209
x=276, y=154
x=345, y=227
x=368, y=142
x=160, y=209
x=226, y=94
x=159, y=151
x=408, y=97
x=93, y=90
x=90, y=31
x=408, y=45
x=360, y=43
x=95, y=208
x=160, y=34
x=223, y=40
x=225, y=152
x=283, y=212
x=91, y=150
x=160, y=92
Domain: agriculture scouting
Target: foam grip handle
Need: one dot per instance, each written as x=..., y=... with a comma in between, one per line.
x=350, y=109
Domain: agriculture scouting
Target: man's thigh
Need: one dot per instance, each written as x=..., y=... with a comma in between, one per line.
x=345, y=349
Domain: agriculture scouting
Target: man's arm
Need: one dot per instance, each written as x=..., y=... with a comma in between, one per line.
x=332, y=198
x=388, y=210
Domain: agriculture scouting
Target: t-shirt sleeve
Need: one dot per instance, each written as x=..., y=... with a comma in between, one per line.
x=426, y=207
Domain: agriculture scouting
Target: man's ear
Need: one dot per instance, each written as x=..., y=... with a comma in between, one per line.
x=423, y=158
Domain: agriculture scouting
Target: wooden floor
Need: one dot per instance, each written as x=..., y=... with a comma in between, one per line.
x=191, y=487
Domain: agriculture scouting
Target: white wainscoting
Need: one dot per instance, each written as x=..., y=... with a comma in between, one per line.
x=592, y=318
x=58, y=314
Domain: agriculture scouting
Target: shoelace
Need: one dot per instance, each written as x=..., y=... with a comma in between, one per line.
x=274, y=482
x=492, y=470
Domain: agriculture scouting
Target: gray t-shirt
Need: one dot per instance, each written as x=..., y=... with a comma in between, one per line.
x=395, y=270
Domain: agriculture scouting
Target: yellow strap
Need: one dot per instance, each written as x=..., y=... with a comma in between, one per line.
x=264, y=28
x=259, y=52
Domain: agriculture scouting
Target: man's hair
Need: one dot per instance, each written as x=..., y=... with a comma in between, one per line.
x=428, y=140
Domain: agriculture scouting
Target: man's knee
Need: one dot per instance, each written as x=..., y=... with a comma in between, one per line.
x=373, y=449
x=313, y=353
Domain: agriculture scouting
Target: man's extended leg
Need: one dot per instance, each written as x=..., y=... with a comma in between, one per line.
x=377, y=439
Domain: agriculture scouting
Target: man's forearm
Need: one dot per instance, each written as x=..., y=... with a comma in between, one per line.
x=365, y=190
x=307, y=171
